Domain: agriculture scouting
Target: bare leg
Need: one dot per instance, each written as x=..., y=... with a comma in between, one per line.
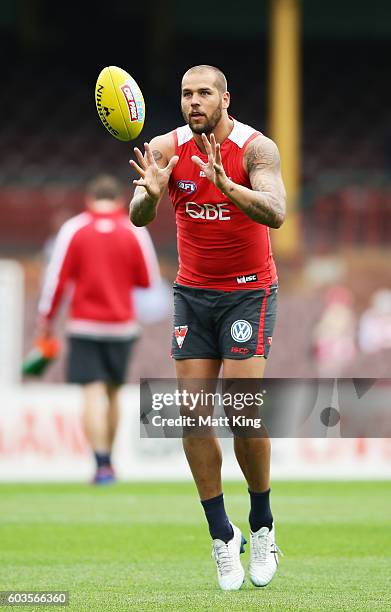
x=95, y=416
x=113, y=412
x=203, y=455
x=252, y=454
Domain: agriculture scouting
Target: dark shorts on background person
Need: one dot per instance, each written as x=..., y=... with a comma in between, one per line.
x=92, y=360
x=210, y=324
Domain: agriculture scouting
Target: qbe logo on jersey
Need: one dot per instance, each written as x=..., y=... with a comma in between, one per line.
x=241, y=331
x=208, y=212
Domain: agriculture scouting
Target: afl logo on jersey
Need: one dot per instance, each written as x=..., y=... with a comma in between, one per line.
x=187, y=186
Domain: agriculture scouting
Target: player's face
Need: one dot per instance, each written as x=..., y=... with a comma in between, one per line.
x=202, y=103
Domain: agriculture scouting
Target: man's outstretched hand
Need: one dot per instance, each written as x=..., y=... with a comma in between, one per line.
x=213, y=169
x=153, y=178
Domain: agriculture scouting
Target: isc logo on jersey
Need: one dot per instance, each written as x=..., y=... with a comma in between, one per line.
x=208, y=212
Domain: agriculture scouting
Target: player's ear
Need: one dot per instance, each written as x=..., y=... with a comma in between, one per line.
x=226, y=99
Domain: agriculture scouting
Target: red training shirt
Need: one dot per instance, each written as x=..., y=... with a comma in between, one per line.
x=219, y=246
x=101, y=257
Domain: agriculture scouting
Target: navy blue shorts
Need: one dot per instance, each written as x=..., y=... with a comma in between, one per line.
x=210, y=324
x=91, y=360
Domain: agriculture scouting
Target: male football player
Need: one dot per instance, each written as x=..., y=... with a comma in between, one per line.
x=224, y=181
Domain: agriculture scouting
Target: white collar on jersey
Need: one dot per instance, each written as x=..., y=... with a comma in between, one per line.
x=239, y=135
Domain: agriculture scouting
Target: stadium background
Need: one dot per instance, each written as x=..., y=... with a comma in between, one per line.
x=143, y=545
x=52, y=142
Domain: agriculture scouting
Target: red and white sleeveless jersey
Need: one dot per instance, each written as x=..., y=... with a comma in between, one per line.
x=219, y=247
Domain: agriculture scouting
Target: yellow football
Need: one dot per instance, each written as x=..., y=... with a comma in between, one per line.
x=120, y=103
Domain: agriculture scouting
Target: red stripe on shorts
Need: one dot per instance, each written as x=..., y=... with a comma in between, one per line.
x=261, y=328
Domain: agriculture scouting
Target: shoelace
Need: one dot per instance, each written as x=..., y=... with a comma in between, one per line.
x=223, y=557
x=260, y=551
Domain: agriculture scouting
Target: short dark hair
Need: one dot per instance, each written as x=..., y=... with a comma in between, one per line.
x=104, y=187
x=220, y=79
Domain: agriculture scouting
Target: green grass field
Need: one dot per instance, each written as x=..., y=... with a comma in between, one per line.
x=146, y=547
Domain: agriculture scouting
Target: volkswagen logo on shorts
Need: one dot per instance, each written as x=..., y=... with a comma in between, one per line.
x=241, y=331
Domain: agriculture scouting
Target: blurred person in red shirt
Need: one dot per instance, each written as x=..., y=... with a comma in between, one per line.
x=99, y=258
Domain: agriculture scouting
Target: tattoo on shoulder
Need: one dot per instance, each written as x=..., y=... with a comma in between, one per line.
x=157, y=155
x=263, y=155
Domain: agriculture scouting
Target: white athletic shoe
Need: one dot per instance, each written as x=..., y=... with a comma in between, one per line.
x=230, y=572
x=263, y=556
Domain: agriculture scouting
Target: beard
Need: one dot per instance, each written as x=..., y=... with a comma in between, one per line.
x=209, y=123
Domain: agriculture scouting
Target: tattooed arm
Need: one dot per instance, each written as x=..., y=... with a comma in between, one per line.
x=154, y=171
x=265, y=201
